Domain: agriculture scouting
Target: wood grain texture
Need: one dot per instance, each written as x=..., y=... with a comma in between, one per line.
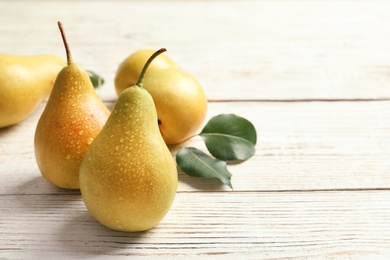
x=245, y=50
x=302, y=146
x=296, y=225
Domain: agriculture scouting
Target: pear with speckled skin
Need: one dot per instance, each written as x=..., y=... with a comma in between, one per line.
x=72, y=118
x=128, y=178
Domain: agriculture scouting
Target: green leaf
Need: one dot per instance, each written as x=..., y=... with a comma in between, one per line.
x=96, y=79
x=198, y=164
x=230, y=137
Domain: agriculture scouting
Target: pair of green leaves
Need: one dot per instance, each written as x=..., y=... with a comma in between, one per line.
x=227, y=137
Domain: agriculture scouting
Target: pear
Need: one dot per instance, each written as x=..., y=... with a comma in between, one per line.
x=24, y=82
x=72, y=118
x=128, y=177
x=180, y=100
x=130, y=68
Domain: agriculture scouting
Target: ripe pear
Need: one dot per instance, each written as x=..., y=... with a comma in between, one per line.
x=128, y=177
x=24, y=82
x=180, y=101
x=72, y=118
x=130, y=69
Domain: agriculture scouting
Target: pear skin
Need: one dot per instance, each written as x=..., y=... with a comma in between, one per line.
x=24, y=82
x=72, y=118
x=180, y=101
x=130, y=68
x=128, y=177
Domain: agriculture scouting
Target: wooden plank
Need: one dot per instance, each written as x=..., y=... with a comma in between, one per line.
x=245, y=50
x=287, y=225
x=301, y=146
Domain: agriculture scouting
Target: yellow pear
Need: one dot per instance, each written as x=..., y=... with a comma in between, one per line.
x=24, y=82
x=180, y=101
x=128, y=177
x=72, y=118
x=130, y=69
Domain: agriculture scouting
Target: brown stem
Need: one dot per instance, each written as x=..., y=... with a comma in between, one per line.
x=67, y=49
x=142, y=75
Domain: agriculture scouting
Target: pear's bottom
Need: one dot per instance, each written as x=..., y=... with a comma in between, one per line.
x=128, y=208
x=123, y=216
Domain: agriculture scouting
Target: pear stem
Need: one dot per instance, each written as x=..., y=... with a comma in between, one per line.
x=67, y=49
x=142, y=75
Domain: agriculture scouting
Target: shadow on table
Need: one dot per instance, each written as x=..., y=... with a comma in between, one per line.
x=199, y=184
x=8, y=130
x=38, y=185
x=57, y=222
x=82, y=234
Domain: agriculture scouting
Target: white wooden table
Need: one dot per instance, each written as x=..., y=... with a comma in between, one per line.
x=313, y=77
